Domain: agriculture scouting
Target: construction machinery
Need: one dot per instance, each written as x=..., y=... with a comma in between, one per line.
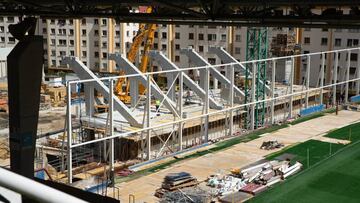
x=146, y=31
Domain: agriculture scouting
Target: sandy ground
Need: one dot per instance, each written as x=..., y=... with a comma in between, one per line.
x=237, y=156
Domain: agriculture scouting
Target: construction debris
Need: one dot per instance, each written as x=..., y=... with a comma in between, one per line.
x=191, y=195
x=269, y=145
x=253, y=179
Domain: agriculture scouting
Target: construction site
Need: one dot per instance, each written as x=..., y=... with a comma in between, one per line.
x=254, y=130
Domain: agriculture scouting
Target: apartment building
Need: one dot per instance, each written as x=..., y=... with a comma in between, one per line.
x=92, y=39
x=316, y=40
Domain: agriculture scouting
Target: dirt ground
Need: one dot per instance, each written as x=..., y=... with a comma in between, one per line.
x=236, y=156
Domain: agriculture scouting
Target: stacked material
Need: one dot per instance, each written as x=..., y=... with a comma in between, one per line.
x=271, y=145
x=253, y=179
x=175, y=181
x=57, y=95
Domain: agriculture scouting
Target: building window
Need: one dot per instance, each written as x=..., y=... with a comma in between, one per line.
x=201, y=36
x=10, y=19
x=156, y=46
x=83, y=43
x=337, y=42
x=96, y=32
x=62, y=53
x=62, y=42
x=71, y=42
x=238, y=38
x=164, y=35
x=212, y=61
x=2, y=39
x=11, y=40
x=2, y=19
x=104, y=55
x=156, y=34
x=177, y=35
x=163, y=47
x=223, y=37
x=71, y=22
x=104, y=65
x=211, y=37
x=83, y=32
x=191, y=26
x=83, y=21
x=237, y=50
x=212, y=27
x=201, y=48
x=53, y=63
x=96, y=54
x=324, y=41
x=84, y=54
x=52, y=42
x=177, y=58
x=104, y=44
x=104, y=33
x=352, y=70
x=349, y=42
x=325, y=29
x=117, y=33
x=96, y=43
x=72, y=53
x=191, y=35
x=52, y=31
x=71, y=32
x=307, y=40
x=177, y=46
x=355, y=42
x=127, y=33
x=117, y=45
x=104, y=22
x=353, y=57
x=53, y=53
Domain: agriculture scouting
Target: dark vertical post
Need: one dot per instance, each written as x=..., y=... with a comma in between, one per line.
x=24, y=80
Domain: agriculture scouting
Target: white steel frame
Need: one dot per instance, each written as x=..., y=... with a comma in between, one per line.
x=230, y=108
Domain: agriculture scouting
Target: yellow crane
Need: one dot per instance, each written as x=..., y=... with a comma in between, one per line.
x=146, y=31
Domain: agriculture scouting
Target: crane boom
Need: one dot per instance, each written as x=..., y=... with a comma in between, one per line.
x=146, y=31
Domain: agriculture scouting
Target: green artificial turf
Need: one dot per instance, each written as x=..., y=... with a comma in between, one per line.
x=336, y=179
x=317, y=151
x=350, y=132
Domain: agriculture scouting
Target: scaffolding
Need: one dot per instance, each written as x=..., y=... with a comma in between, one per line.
x=256, y=49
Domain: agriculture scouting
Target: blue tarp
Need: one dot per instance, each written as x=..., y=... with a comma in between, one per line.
x=355, y=98
x=313, y=109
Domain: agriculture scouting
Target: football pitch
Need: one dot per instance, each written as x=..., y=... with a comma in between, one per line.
x=335, y=179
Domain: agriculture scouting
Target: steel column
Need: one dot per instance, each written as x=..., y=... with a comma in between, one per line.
x=347, y=78
x=181, y=93
x=291, y=87
x=273, y=70
x=69, y=133
x=206, y=104
x=335, y=76
x=111, y=131
x=308, y=69
x=231, y=98
x=358, y=74
x=322, y=73
x=148, y=111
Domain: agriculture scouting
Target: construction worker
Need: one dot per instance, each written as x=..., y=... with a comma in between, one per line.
x=157, y=105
